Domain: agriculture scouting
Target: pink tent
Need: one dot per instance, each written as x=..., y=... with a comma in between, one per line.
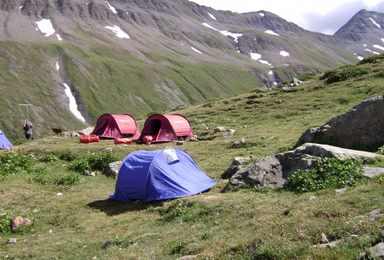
x=115, y=126
x=166, y=128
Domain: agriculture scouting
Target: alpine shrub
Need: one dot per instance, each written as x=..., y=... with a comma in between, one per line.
x=13, y=163
x=96, y=162
x=328, y=173
x=5, y=224
x=343, y=74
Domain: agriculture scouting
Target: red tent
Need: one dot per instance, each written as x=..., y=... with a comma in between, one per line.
x=165, y=128
x=115, y=126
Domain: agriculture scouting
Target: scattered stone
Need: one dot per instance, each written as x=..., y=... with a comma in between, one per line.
x=86, y=131
x=59, y=194
x=75, y=134
x=91, y=173
x=64, y=134
x=372, y=172
x=363, y=256
x=235, y=166
x=296, y=81
x=239, y=143
x=219, y=129
x=332, y=244
x=375, y=214
x=19, y=222
x=354, y=128
x=50, y=231
x=324, y=238
x=112, y=169
x=11, y=240
x=179, y=142
x=312, y=198
x=381, y=234
x=35, y=210
x=107, y=244
x=106, y=150
x=57, y=130
x=341, y=191
x=287, y=90
x=377, y=252
x=270, y=138
x=194, y=138
x=229, y=133
x=187, y=257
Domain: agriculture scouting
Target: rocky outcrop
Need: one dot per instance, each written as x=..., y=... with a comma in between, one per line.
x=360, y=127
x=272, y=171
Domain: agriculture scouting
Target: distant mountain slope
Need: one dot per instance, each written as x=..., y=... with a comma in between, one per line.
x=136, y=57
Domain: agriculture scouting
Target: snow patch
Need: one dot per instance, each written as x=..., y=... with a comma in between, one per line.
x=46, y=27
x=271, y=33
x=196, y=50
x=262, y=14
x=368, y=50
x=270, y=72
x=265, y=62
x=375, y=52
x=113, y=9
x=210, y=27
x=360, y=58
x=255, y=56
x=275, y=83
x=72, y=103
x=378, y=47
x=212, y=16
x=284, y=54
x=59, y=37
x=57, y=66
x=21, y=7
x=364, y=45
x=375, y=23
x=116, y=30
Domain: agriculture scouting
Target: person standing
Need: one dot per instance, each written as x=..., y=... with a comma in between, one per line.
x=27, y=127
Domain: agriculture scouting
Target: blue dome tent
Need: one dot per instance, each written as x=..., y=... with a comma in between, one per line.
x=159, y=175
x=4, y=142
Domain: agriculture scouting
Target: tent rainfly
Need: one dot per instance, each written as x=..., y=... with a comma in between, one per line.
x=116, y=126
x=165, y=128
x=158, y=175
x=4, y=142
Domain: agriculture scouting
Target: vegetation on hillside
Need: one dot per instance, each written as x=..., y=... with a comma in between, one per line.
x=83, y=223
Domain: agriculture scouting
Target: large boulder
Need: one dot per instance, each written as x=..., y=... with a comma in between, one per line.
x=362, y=127
x=272, y=171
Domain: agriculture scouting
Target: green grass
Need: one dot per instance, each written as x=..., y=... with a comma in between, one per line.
x=243, y=224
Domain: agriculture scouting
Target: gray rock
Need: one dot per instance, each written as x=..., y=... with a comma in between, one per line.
x=341, y=191
x=235, y=166
x=272, y=171
x=377, y=252
x=372, y=172
x=375, y=214
x=229, y=133
x=187, y=257
x=112, y=169
x=287, y=90
x=239, y=143
x=312, y=198
x=11, y=240
x=357, y=127
x=332, y=244
x=381, y=234
x=86, y=131
x=65, y=134
x=219, y=129
x=106, y=150
x=75, y=134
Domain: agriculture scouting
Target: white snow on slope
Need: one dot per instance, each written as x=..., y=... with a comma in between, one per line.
x=360, y=58
x=235, y=36
x=21, y=7
x=57, y=66
x=284, y=53
x=212, y=16
x=210, y=27
x=255, y=56
x=113, y=9
x=196, y=50
x=265, y=62
x=271, y=33
x=116, y=30
x=368, y=50
x=270, y=72
x=382, y=39
x=262, y=14
x=46, y=27
x=378, y=47
x=72, y=103
x=375, y=23
x=59, y=37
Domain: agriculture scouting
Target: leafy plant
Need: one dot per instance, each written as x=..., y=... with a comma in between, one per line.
x=343, y=74
x=49, y=158
x=328, y=173
x=95, y=161
x=42, y=176
x=13, y=163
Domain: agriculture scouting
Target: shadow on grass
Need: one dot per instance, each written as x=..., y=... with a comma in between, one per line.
x=114, y=207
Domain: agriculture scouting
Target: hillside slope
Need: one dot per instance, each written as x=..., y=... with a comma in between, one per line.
x=138, y=57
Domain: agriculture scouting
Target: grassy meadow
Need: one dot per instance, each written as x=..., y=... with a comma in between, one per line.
x=82, y=223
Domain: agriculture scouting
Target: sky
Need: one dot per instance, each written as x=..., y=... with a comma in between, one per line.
x=325, y=16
